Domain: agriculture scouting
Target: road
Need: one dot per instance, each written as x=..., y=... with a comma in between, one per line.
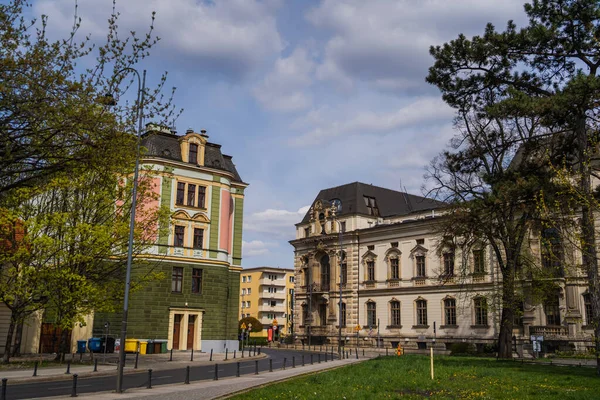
x=160, y=377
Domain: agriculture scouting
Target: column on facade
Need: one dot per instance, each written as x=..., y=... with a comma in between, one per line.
x=573, y=313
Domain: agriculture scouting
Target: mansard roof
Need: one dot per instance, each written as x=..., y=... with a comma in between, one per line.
x=389, y=202
x=167, y=145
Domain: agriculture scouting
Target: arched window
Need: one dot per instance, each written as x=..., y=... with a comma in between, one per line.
x=449, y=311
x=325, y=272
x=395, y=313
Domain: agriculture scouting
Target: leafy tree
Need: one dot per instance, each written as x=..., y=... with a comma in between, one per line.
x=62, y=153
x=49, y=117
x=550, y=68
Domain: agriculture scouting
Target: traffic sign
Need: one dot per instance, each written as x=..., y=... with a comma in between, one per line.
x=274, y=322
x=357, y=328
x=243, y=326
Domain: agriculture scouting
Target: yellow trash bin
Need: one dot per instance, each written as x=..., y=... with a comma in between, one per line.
x=131, y=345
x=143, y=347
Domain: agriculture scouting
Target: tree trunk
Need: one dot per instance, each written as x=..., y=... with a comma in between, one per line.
x=18, y=338
x=9, y=339
x=63, y=346
x=507, y=319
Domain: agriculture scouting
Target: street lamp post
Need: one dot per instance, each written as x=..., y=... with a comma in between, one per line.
x=340, y=258
x=140, y=117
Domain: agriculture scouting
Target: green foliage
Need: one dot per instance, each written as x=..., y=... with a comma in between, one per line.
x=457, y=349
x=533, y=89
x=64, y=154
x=408, y=377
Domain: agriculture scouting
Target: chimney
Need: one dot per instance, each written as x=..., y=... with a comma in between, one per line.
x=203, y=133
x=188, y=131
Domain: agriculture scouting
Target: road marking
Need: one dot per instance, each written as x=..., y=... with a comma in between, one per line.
x=163, y=377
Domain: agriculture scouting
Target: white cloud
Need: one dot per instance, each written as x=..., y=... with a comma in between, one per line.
x=230, y=38
x=328, y=123
x=255, y=248
x=275, y=222
x=386, y=43
x=283, y=89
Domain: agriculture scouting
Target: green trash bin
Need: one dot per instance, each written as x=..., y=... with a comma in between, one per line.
x=150, y=347
x=163, y=346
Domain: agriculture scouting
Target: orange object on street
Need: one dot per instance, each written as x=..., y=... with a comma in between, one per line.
x=399, y=350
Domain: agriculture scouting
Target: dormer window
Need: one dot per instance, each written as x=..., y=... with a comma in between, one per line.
x=193, y=155
x=371, y=206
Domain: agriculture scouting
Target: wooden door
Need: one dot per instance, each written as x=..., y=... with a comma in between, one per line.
x=190, y=332
x=176, y=331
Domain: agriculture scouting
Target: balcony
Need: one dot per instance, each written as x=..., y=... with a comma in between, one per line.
x=316, y=288
x=269, y=282
x=274, y=296
x=549, y=332
x=272, y=309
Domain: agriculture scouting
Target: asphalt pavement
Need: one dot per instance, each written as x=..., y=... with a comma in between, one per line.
x=165, y=373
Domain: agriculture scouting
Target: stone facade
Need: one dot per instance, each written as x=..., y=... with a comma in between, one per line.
x=400, y=281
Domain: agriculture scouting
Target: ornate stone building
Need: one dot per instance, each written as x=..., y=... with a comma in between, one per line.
x=401, y=283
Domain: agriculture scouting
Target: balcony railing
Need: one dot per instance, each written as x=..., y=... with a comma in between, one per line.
x=549, y=331
x=316, y=288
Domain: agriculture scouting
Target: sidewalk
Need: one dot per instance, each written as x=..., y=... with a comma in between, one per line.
x=223, y=388
x=155, y=361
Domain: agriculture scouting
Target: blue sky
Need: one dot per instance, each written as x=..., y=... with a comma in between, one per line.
x=304, y=94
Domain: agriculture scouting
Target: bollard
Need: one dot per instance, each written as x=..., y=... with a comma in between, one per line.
x=137, y=355
x=211, y=350
x=347, y=355
x=96, y=365
x=238, y=369
x=256, y=367
x=386, y=351
x=192, y=356
x=294, y=362
x=319, y=358
x=284, y=360
x=363, y=352
x=3, y=393
x=242, y=353
x=74, y=390
x=311, y=359
x=216, y=378
x=234, y=354
x=35, y=366
x=226, y=350
x=270, y=365
x=187, y=375
x=357, y=354
x=325, y=355
x=303, y=360
x=149, y=379
x=68, y=368
x=171, y=356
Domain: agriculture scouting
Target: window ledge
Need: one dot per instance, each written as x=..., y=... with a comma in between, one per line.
x=420, y=327
x=418, y=278
x=480, y=326
x=448, y=326
x=394, y=280
x=393, y=327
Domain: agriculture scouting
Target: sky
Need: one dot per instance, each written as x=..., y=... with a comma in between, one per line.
x=304, y=94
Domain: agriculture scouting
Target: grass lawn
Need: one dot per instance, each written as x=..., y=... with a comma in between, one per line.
x=408, y=377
